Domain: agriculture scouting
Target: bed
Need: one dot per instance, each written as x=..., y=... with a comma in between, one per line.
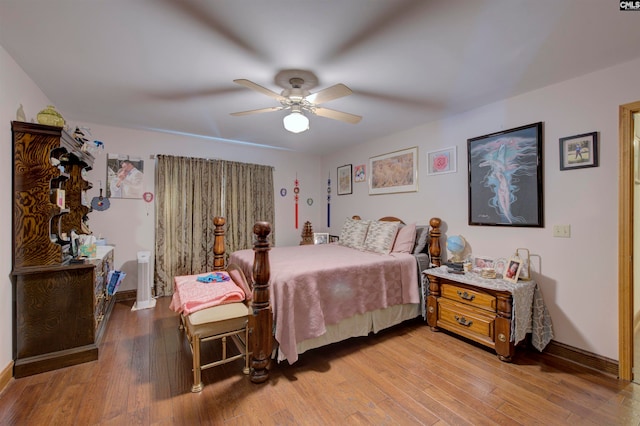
x=309, y=296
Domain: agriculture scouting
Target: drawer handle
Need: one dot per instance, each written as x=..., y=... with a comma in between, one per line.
x=463, y=321
x=466, y=296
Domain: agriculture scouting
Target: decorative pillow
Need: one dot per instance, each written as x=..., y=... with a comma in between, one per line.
x=405, y=240
x=380, y=236
x=422, y=235
x=353, y=233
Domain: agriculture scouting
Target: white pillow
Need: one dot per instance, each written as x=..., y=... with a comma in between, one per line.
x=353, y=233
x=380, y=236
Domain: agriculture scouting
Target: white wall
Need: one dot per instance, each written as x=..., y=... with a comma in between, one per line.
x=578, y=275
x=129, y=224
x=16, y=89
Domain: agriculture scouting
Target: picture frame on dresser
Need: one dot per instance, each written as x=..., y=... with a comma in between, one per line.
x=513, y=269
x=505, y=178
x=320, y=238
x=480, y=262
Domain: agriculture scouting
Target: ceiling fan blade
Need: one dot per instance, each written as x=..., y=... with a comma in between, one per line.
x=257, y=111
x=253, y=86
x=329, y=94
x=337, y=115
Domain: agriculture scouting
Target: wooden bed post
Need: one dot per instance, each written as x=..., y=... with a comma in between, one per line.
x=434, y=241
x=260, y=318
x=218, y=243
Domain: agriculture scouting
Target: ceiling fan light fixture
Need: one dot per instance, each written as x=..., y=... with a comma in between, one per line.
x=296, y=122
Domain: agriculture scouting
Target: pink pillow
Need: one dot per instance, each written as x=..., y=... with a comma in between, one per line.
x=405, y=239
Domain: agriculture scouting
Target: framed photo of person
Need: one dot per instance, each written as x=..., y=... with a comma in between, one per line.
x=320, y=238
x=579, y=151
x=513, y=269
x=125, y=176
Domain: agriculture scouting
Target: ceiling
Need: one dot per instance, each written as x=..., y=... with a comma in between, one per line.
x=169, y=65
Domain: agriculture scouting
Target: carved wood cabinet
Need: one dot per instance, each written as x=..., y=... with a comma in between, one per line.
x=479, y=314
x=59, y=307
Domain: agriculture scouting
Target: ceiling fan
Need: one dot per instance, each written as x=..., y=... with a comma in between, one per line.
x=296, y=98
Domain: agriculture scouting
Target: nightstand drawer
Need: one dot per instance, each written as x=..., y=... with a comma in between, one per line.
x=470, y=297
x=472, y=323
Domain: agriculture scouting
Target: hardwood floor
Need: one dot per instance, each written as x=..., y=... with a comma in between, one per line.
x=407, y=375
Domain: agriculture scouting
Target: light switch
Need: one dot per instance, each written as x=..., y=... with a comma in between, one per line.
x=562, y=231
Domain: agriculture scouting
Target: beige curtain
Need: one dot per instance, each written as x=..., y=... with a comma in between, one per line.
x=190, y=192
x=248, y=199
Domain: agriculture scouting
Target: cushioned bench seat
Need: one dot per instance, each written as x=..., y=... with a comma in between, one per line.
x=218, y=322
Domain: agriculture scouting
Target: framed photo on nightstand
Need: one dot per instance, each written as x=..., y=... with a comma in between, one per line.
x=320, y=237
x=513, y=270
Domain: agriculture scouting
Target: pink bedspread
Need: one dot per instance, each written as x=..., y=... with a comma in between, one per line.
x=191, y=295
x=317, y=285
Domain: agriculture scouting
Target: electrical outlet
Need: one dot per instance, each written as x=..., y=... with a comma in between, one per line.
x=562, y=231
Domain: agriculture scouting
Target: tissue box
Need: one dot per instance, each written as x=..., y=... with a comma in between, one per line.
x=88, y=250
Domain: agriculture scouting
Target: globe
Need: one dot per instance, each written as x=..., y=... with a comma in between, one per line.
x=456, y=245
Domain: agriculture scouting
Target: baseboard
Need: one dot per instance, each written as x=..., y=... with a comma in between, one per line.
x=5, y=376
x=582, y=357
x=126, y=295
x=53, y=360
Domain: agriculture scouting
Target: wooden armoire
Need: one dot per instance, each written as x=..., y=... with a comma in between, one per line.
x=60, y=303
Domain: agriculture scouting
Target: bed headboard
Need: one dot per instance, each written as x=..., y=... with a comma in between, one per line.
x=434, y=236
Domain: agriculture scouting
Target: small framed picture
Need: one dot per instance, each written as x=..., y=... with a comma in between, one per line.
x=579, y=151
x=359, y=174
x=441, y=161
x=500, y=265
x=344, y=180
x=513, y=270
x=482, y=262
x=320, y=237
x=334, y=238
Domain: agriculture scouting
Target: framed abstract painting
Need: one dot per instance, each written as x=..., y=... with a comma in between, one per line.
x=505, y=178
x=394, y=172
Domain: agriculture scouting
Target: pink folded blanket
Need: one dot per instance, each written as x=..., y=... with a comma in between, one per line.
x=191, y=295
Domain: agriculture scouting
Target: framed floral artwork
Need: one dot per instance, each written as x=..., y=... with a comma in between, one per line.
x=441, y=161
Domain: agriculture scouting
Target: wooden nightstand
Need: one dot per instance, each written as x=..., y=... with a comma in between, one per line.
x=481, y=310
